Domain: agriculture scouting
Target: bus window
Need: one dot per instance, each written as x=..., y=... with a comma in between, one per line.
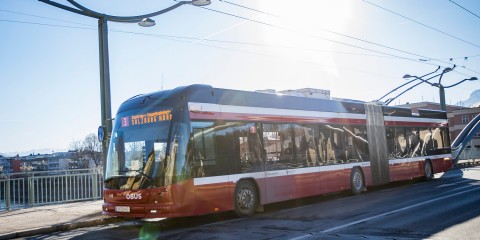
x=205, y=162
x=414, y=142
x=251, y=147
x=356, y=144
x=275, y=150
x=401, y=142
x=305, y=148
x=333, y=144
x=228, y=148
x=390, y=132
x=436, y=139
x=134, y=151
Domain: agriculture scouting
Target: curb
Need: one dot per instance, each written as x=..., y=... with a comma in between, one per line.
x=60, y=227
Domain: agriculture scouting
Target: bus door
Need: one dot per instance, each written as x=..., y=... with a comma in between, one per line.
x=280, y=152
x=211, y=189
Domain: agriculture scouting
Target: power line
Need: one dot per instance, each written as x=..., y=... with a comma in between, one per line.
x=252, y=9
x=324, y=38
x=37, y=16
x=46, y=24
x=248, y=19
x=423, y=59
x=169, y=37
x=173, y=38
x=323, y=29
x=183, y=38
x=244, y=18
x=464, y=9
x=423, y=24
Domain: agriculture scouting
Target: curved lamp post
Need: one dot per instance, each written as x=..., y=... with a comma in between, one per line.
x=142, y=20
x=440, y=86
x=395, y=89
x=390, y=100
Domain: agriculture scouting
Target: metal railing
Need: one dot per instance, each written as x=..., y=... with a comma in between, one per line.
x=22, y=190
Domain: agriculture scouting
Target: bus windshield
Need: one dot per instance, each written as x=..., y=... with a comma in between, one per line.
x=137, y=156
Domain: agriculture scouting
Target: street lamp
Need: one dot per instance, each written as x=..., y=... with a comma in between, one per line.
x=395, y=89
x=142, y=20
x=390, y=100
x=467, y=79
x=440, y=86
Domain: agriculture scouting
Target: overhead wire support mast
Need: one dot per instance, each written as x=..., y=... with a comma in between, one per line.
x=395, y=89
x=440, y=86
x=390, y=100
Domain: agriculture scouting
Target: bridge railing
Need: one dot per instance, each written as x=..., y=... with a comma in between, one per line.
x=28, y=189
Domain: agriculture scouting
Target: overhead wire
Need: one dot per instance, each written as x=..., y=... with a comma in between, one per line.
x=464, y=8
x=423, y=59
x=420, y=23
x=323, y=38
x=184, y=40
x=183, y=37
x=236, y=42
x=37, y=16
x=238, y=5
x=248, y=19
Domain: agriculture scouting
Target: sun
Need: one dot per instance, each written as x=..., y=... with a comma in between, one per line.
x=303, y=27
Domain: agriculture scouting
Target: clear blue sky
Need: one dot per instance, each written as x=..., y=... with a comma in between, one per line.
x=49, y=71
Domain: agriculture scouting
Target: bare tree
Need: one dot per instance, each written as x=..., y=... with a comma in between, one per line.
x=92, y=149
x=76, y=148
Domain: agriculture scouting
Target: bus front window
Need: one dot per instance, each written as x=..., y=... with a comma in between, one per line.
x=138, y=156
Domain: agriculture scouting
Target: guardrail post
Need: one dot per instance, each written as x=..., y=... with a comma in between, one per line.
x=95, y=185
x=7, y=194
x=31, y=191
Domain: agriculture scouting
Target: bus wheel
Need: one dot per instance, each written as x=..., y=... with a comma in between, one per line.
x=356, y=181
x=245, y=199
x=428, y=170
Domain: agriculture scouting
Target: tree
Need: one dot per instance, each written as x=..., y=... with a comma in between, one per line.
x=92, y=149
x=76, y=148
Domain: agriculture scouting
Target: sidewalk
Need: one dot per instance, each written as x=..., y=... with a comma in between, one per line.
x=52, y=218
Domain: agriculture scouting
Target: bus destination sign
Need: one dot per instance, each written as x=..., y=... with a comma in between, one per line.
x=151, y=117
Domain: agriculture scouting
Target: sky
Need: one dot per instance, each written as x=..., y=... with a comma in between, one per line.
x=357, y=49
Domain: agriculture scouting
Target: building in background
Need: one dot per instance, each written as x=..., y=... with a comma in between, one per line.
x=458, y=117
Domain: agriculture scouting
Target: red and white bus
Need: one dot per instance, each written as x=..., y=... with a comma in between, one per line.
x=196, y=150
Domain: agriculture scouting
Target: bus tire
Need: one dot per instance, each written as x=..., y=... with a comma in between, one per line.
x=428, y=170
x=245, y=198
x=357, y=183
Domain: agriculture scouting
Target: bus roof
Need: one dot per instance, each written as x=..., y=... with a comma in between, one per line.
x=180, y=96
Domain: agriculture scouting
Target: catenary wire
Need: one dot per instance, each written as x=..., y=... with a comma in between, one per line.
x=351, y=45
x=420, y=23
x=252, y=9
x=464, y=8
x=188, y=42
x=169, y=37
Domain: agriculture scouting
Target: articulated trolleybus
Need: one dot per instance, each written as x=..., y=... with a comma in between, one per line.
x=196, y=150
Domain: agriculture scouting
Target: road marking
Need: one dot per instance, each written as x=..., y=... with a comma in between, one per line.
x=395, y=211
x=385, y=214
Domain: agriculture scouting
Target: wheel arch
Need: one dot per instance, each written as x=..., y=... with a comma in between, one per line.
x=360, y=169
x=431, y=164
x=255, y=185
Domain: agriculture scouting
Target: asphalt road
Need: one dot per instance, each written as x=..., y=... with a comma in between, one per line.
x=445, y=208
